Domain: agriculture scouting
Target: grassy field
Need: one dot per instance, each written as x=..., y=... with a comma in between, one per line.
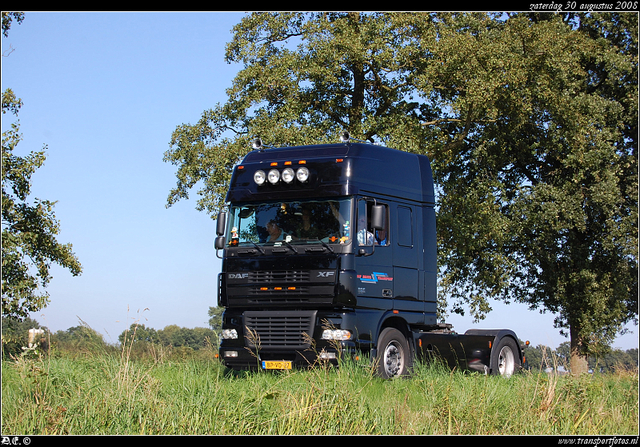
x=112, y=395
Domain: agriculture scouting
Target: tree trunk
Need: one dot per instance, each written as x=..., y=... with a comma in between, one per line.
x=578, y=362
x=356, y=111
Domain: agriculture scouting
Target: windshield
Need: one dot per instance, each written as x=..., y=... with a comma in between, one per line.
x=299, y=222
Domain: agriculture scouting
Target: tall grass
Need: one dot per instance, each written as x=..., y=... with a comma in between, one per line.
x=107, y=393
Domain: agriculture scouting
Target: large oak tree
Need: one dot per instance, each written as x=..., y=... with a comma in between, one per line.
x=530, y=121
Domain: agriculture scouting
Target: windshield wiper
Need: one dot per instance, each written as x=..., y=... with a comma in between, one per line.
x=252, y=251
x=278, y=247
x=324, y=244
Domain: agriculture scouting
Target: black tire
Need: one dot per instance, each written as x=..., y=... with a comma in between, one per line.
x=505, y=359
x=394, y=355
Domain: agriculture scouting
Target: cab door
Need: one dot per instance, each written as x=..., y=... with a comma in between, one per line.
x=406, y=248
x=374, y=259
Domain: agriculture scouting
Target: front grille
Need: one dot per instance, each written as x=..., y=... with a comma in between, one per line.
x=278, y=291
x=279, y=329
x=267, y=277
x=280, y=287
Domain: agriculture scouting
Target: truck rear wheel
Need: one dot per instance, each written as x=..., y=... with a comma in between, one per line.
x=394, y=354
x=506, y=360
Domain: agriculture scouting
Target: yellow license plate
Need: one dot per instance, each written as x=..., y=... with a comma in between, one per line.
x=276, y=365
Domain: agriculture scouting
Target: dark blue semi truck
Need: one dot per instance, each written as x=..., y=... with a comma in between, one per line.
x=331, y=249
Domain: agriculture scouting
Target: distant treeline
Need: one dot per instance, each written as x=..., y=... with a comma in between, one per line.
x=82, y=338
x=612, y=360
x=141, y=340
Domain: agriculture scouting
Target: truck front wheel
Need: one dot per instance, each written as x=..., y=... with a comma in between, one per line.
x=506, y=360
x=394, y=354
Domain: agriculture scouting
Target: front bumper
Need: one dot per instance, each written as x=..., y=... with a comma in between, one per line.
x=292, y=337
x=245, y=358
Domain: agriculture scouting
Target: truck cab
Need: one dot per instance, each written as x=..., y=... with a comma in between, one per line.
x=330, y=249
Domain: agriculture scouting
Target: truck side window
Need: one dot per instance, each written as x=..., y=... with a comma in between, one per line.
x=366, y=234
x=365, y=237
x=405, y=227
x=381, y=237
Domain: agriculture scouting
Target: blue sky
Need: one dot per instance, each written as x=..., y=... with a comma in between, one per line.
x=104, y=92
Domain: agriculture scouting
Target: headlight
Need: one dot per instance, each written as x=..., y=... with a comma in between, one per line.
x=259, y=177
x=336, y=334
x=229, y=334
x=302, y=174
x=288, y=175
x=274, y=176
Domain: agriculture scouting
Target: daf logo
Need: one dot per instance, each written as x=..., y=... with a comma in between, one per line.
x=238, y=275
x=325, y=274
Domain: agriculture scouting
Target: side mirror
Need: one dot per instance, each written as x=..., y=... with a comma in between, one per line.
x=220, y=242
x=378, y=218
x=378, y=222
x=222, y=223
